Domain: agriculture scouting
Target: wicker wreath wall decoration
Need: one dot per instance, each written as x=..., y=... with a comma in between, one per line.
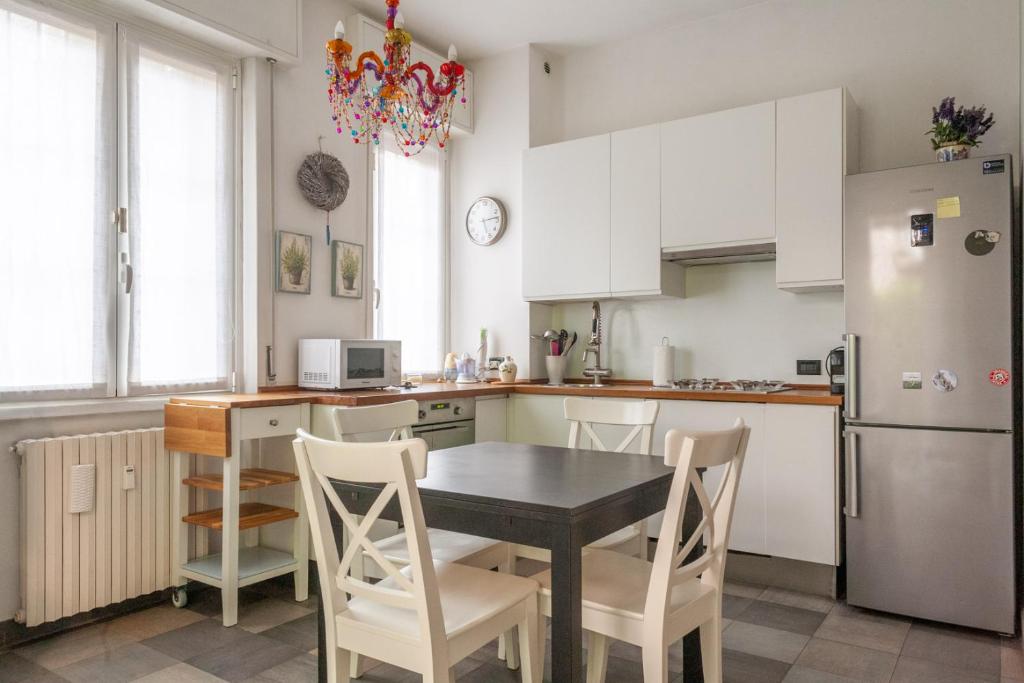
x=324, y=182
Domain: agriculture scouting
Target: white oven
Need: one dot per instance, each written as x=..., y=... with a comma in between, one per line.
x=335, y=364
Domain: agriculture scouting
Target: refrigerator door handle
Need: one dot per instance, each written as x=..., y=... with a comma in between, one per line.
x=852, y=508
x=852, y=377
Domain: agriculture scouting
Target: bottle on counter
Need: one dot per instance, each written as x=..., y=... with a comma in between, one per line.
x=507, y=370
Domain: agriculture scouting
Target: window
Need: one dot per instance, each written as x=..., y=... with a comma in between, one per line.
x=91, y=306
x=410, y=262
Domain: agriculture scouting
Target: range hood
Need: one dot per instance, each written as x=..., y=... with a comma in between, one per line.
x=734, y=253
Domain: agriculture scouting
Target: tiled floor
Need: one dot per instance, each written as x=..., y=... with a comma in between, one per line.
x=770, y=635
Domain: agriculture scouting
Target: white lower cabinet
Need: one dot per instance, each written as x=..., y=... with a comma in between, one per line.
x=538, y=420
x=802, y=477
x=491, y=418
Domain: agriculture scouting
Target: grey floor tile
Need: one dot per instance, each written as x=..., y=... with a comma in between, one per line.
x=207, y=602
x=790, y=598
x=762, y=641
x=795, y=619
x=487, y=673
x=624, y=670
x=122, y=664
x=301, y=669
x=74, y=646
x=635, y=654
x=299, y=632
x=154, y=621
x=801, y=674
x=245, y=658
x=733, y=605
x=858, y=663
x=14, y=668
x=743, y=590
x=911, y=670
x=195, y=639
x=1012, y=657
x=740, y=667
x=180, y=673
x=960, y=648
x=265, y=614
x=866, y=629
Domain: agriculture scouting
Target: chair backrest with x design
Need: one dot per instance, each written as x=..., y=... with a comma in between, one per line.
x=688, y=451
x=584, y=413
x=394, y=418
x=396, y=465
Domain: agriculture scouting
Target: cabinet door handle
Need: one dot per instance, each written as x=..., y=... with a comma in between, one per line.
x=273, y=422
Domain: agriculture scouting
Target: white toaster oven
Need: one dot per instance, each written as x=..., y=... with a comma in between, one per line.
x=349, y=363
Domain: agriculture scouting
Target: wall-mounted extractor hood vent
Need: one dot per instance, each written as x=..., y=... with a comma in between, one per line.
x=721, y=254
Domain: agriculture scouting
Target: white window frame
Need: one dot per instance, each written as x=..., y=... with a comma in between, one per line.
x=373, y=326
x=117, y=24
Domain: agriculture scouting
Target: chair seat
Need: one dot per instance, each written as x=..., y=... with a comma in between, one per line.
x=621, y=536
x=469, y=596
x=446, y=546
x=617, y=584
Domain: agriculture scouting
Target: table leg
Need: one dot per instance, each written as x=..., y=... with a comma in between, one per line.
x=566, y=608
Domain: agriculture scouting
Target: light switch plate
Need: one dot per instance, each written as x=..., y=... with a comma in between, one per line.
x=808, y=367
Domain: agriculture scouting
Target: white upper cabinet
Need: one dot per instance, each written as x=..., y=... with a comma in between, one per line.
x=635, y=194
x=566, y=216
x=271, y=28
x=813, y=135
x=718, y=179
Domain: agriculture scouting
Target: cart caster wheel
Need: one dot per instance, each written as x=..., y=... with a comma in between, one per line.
x=179, y=597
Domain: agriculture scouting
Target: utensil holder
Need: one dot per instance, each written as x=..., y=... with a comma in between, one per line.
x=556, y=369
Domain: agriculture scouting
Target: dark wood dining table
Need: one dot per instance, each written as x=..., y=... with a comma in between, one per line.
x=544, y=496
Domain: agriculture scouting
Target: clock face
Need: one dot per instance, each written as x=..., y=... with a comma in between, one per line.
x=485, y=221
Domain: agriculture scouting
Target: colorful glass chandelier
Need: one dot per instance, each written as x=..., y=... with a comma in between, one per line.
x=373, y=93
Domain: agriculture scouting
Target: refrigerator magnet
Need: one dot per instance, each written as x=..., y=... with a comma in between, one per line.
x=981, y=242
x=944, y=381
x=999, y=377
x=947, y=207
x=911, y=380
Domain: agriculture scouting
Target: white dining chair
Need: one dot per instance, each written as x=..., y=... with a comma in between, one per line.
x=424, y=617
x=583, y=414
x=654, y=604
x=391, y=422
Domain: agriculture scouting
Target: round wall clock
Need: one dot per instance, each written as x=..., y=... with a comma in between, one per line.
x=485, y=221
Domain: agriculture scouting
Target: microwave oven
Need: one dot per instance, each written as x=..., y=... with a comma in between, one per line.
x=335, y=364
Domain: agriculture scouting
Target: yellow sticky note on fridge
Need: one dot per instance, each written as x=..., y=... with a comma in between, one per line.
x=947, y=207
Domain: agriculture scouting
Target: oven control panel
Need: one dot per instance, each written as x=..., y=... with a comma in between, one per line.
x=446, y=410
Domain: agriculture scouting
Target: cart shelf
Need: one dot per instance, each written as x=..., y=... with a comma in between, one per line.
x=248, y=479
x=250, y=516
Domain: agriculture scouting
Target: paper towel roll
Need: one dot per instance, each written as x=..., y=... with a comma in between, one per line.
x=664, y=363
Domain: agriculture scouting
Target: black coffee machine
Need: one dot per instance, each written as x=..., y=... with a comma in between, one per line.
x=835, y=366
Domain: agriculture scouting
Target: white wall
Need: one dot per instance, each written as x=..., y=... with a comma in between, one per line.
x=301, y=114
x=896, y=58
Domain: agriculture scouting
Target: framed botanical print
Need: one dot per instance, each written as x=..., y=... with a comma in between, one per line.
x=294, y=251
x=347, y=274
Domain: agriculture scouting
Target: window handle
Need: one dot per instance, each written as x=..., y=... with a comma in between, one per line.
x=129, y=278
x=376, y=298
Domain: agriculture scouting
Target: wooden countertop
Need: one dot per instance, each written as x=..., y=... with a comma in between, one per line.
x=803, y=395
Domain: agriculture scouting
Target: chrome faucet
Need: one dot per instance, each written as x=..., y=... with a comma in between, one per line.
x=594, y=347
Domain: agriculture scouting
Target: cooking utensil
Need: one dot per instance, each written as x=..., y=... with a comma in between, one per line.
x=572, y=343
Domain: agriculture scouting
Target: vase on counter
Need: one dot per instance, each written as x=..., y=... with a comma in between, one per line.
x=507, y=370
x=952, y=152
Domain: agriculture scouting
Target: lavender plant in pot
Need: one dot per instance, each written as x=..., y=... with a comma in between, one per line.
x=955, y=129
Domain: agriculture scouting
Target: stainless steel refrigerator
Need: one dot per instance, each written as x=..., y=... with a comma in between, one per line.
x=932, y=347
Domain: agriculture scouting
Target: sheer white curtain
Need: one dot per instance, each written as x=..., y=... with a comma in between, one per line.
x=409, y=254
x=180, y=162
x=56, y=195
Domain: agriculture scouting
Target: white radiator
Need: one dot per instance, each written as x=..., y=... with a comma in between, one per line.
x=118, y=547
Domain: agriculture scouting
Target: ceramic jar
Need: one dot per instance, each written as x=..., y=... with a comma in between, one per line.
x=952, y=152
x=507, y=370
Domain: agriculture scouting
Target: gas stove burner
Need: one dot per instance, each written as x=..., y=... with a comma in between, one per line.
x=746, y=386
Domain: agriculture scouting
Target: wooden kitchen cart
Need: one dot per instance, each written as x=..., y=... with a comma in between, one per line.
x=216, y=433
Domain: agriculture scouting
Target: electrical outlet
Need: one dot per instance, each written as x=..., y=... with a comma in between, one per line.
x=808, y=367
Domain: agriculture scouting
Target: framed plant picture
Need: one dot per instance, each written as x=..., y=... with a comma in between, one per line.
x=347, y=274
x=294, y=251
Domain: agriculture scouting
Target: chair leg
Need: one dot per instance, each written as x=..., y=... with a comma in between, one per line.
x=530, y=644
x=338, y=665
x=711, y=648
x=597, y=657
x=643, y=539
x=508, y=643
x=655, y=663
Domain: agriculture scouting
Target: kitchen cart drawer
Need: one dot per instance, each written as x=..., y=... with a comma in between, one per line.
x=257, y=423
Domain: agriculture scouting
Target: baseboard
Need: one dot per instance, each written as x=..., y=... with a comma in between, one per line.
x=778, y=572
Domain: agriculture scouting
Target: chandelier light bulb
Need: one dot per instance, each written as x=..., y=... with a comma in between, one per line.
x=453, y=54
x=339, y=30
x=399, y=21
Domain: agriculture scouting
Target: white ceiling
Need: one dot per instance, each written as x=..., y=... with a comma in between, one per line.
x=485, y=27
